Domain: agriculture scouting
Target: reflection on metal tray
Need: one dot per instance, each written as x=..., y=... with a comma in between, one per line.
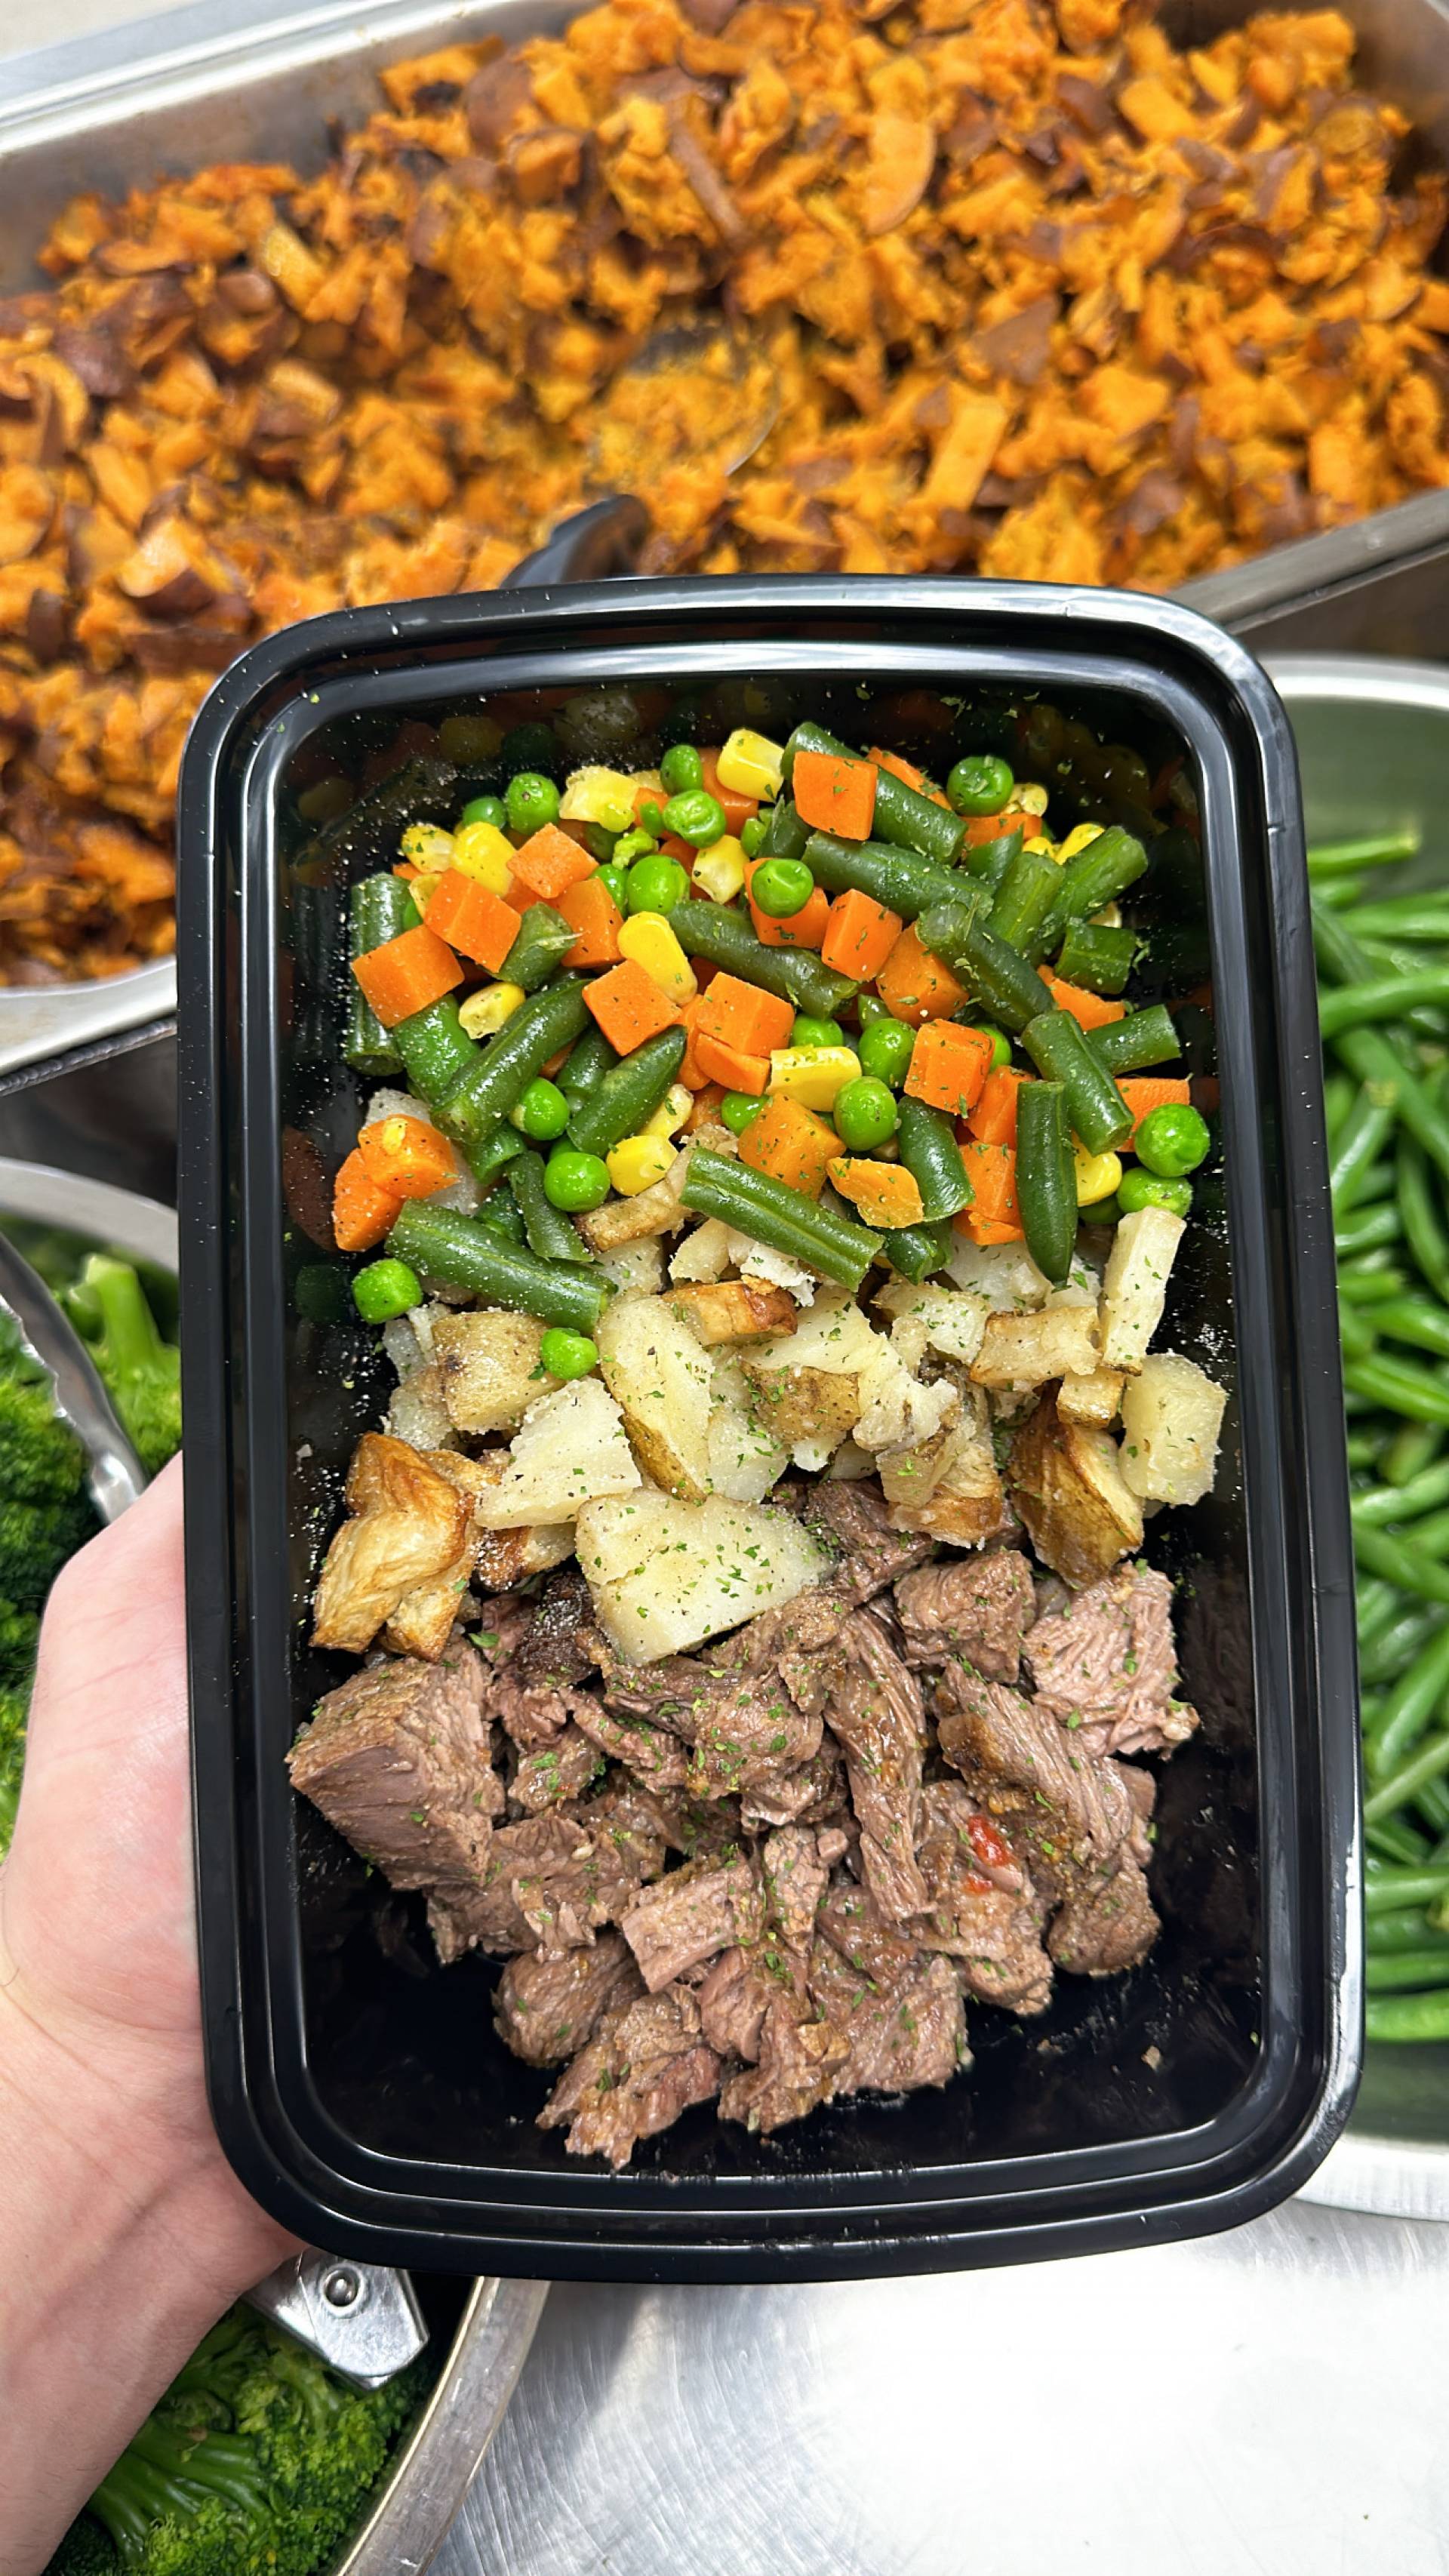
x=108, y=111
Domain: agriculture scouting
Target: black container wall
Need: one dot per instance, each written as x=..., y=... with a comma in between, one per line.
x=357, y=2086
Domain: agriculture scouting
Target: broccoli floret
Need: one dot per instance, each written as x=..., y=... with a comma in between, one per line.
x=257, y=2462
x=44, y=1517
x=43, y=1461
x=87, y=2550
x=142, y=1373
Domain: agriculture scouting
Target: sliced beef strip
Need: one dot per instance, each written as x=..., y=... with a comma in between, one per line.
x=745, y=1980
x=814, y=1793
x=801, y=2061
x=852, y=1522
x=549, y=1884
x=563, y=1769
x=654, y=1756
x=995, y=1934
x=691, y=1914
x=875, y=1711
x=899, y=2035
x=1106, y=1665
x=541, y=1662
x=796, y=1629
x=647, y=2062
x=398, y=1759
x=1106, y=1925
x=741, y=1727
x=852, y=1922
x=977, y=1608
x=545, y=2009
x=1070, y=1805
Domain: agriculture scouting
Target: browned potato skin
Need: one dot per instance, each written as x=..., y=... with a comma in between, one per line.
x=505, y=1557
x=1079, y=1515
x=1096, y=1399
x=1027, y=1350
x=409, y=1527
x=948, y=1486
x=490, y=1368
x=805, y=1403
x=735, y=1310
x=654, y=1211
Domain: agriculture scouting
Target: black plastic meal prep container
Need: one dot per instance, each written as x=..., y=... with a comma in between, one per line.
x=358, y=2087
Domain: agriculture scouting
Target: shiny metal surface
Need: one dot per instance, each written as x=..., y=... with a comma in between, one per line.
x=115, y=1477
x=363, y=2319
x=1268, y=2403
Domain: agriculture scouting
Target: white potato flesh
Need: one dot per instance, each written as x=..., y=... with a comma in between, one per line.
x=636, y=1269
x=1091, y=1399
x=570, y=1449
x=832, y=1335
x=1026, y=1350
x=952, y=1319
x=1134, y=1286
x=655, y=1367
x=490, y=1365
x=1003, y=1273
x=1172, y=1415
x=704, y=1254
x=744, y=1461
x=666, y=1574
x=896, y=1410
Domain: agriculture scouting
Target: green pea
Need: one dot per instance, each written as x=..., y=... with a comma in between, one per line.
x=865, y=1114
x=633, y=845
x=543, y=1112
x=884, y=1048
x=1000, y=1042
x=752, y=835
x=1172, y=1140
x=781, y=887
x=651, y=816
x=737, y=1109
x=696, y=817
x=532, y=801
x=1140, y=1189
x=1108, y=1211
x=616, y=878
x=566, y=1354
x=681, y=769
x=486, y=809
x=979, y=784
x=656, y=884
x=385, y=1289
x=575, y=1182
x=808, y=1032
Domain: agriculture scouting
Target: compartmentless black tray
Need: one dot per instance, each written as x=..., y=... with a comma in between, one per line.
x=359, y=2088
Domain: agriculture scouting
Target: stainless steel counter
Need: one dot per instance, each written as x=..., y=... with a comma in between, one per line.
x=1269, y=2403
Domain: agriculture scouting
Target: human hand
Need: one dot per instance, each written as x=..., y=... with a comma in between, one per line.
x=123, y=2231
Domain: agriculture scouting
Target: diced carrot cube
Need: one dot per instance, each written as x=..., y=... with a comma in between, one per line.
x=707, y=1098
x=909, y=776
x=803, y=929
x=914, y=985
x=860, y=937
x=1089, y=1010
x=406, y=974
x=743, y=1016
x=949, y=1065
x=991, y=1170
x=791, y=1144
x=883, y=1194
x=406, y=1157
x=1145, y=1092
x=361, y=1212
x=550, y=860
x=993, y=1120
x=629, y=1006
x=988, y=1229
x=731, y=1065
x=590, y=909
x=834, y=795
x=473, y=919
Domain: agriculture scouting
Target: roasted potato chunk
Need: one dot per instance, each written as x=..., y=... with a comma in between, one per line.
x=794, y=1405
x=656, y=1371
x=1067, y=1484
x=1027, y=1350
x=949, y=1486
x=734, y=1310
x=1134, y=1285
x=666, y=1574
x=491, y=1368
x=409, y=1528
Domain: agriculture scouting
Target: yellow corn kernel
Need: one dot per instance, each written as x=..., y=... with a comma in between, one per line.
x=487, y=1009
x=1080, y=837
x=428, y=846
x=481, y=851
x=751, y=765
x=648, y=939
x=1098, y=1175
x=672, y=1112
x=598, y=795
x=1044, y=848
x=719, y=871
x=638, y=1162
x=813, y=1075
x=1030, y=799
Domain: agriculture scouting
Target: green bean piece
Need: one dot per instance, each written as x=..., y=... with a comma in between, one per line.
x=1383, y=1655
x=1386, y=1503
x=1130, y=1045
x=1405, y=1969
x=1339, y=1096
x=930, y=1153
x=1384, y=1889
x=378, y=909
x=586, y=1064
x=543, y=942
x=464, y=1253
x=1409, y=1929
x=1405, y=916
x=1389, y=997
x=1410, y=1705
x=1362, y=1450
x=1415, y=1320
x=1382, y=849
x=488, y=1159
x=783, y=1218
x=1366, y=1230
x=1348, y=960
x=436, y=1050
x=1393, y=1840
x=629, y=1094
x=1358, y=1285
x=1338, y=893
x=1414, y=1446
x=1401, y=1563
x=989, y=860
x=1358, y=1147
x=1059, y=1050
x=1024, y=900
x=1000, y=977
x=1423, y=1227
x=900, y=879
x=1432, y=1801
x=1375, y=1604
x=549, y=1232
x=1407, y=2017
x=1046, y=1178
x=796, y=975
x=903, y=815
x=1431, y=1534
x=916, y=1250
x=548, y=1020
x=1355, y=1332
x=1096, y=956
x=785, y=834
x=1401, y=1386
x=1368, y=1053
x=1096, y=877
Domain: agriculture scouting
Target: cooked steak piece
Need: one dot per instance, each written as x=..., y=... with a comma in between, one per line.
x=691, y=1914
x=397, y=1758
x=545, y=2009
x=540, y=1661
x=741, y=1727
x=647, y=2062
x=814, y=1793
x=737, y=1991
x=795, y=1627
x=875, y=1711
x=656, y=1758
x=899, y=2035
x=1070, y=1805
x=796, y=1868
x=549, y=1883
x=1106, y=1925
x=852, y=1522
x=564, y=1769
x=978, y=1609
x=853, y=1923
x=993, y=1932
x=1106, y=1665
x=801, y=2061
